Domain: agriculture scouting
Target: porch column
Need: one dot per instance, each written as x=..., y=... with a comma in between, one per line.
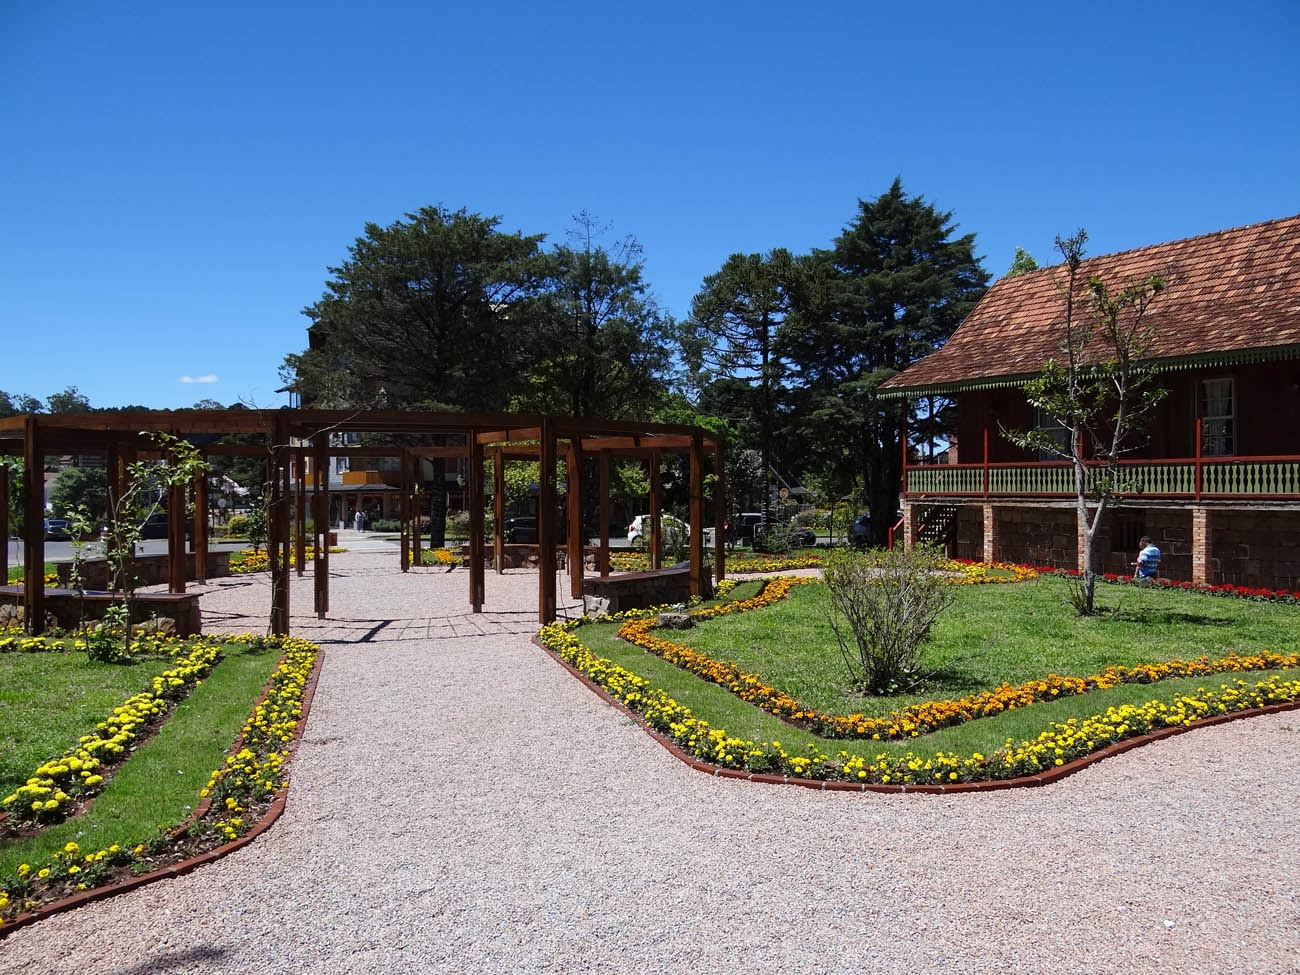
x=991, y=540
x=911, y=524
x=1201, y=551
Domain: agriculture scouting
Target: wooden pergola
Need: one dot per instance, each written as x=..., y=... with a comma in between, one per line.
x=297, y=446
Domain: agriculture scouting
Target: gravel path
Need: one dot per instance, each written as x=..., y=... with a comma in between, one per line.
x=461, y=804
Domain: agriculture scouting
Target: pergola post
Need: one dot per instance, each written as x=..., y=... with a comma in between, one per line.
x=697, y=514
x=4, y=525
x=177, y=570
x=300, y=509
x=577, y=563
x=116, y=486
x=278, y=543
x=404, y=509
x=476, y=581
x=655, y=548
x=34, y=527
x=499, y=510
x=546, y=523
x=417, y=468
x=200, y=489
x=320, y=524
x=719, y=513
x=603, y=557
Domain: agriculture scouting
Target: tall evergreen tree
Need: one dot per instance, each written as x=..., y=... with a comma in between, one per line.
x=733, y=331
x=892, y=289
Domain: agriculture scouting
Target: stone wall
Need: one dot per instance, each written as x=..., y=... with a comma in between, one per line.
x=1255, y=548
x=1169, y=528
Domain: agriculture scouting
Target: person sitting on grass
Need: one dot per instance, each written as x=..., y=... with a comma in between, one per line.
x=1148, y=560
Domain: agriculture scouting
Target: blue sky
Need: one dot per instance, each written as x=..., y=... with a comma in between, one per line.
x=177, y=177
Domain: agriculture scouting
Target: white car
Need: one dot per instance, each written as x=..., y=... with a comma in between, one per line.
x=640, y=527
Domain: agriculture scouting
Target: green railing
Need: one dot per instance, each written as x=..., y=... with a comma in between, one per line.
x=1220, y=477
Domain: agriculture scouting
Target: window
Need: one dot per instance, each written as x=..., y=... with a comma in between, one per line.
x=341, y=465
x=1055, y=429
x=1218, y=418
x=1128, y=529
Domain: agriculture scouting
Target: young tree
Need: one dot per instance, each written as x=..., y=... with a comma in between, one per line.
x=896, y=284
x=733, y=330
x=1100, y=392
x=605, y=342
x=1022, y=262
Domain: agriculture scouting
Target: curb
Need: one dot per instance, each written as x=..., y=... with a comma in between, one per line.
x=277, y=806
x=837, y=785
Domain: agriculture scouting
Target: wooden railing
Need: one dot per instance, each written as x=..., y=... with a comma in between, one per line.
x=1195, y=478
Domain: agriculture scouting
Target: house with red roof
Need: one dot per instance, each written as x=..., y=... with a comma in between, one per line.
x=1217, y=484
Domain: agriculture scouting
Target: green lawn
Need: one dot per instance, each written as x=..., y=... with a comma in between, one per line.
x=50, y=700
x=996, y=633
x=16, y=571
x=993, y=634
x=160, y=783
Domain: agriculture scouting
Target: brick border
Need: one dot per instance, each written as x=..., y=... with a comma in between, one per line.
x=277, y=806
x=839, y=785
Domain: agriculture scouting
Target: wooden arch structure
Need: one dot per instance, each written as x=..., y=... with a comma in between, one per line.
x=297, y=445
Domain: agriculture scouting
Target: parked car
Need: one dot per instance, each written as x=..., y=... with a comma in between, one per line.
x=640, y=527
x=155, y=526
x=860, y=532
x=58, y=530
x=521, y=530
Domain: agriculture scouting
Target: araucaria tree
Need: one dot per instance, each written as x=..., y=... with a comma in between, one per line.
x=1100, y=392
x=732, y=334
x=893, y=288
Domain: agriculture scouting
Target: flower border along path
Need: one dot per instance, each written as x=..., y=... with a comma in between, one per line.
x=251, y=785
x=926, y=716
x=1062, y=749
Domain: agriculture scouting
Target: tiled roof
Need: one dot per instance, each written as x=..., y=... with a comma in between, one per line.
x=1227, y=292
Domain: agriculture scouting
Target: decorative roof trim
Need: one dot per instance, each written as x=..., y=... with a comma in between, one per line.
x=1212, y=360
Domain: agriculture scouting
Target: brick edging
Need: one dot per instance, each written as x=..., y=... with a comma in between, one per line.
x=838, y=785
x=208, y=856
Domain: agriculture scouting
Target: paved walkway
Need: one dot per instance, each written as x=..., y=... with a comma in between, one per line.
x=461, y=804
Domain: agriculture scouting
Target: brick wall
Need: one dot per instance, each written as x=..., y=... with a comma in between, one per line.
x=1255, y=548
x=1037, y=536
x=1169, y=528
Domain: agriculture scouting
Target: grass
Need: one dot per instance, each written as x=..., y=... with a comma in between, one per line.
x=994, y=633
x=160, y=783
x=51, y=699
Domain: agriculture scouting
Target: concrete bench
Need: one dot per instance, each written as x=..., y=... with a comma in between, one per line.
x=65, y=607
x=149, y=570
x=640, y=590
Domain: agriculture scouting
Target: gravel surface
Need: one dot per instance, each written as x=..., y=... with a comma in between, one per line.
x=461, y=804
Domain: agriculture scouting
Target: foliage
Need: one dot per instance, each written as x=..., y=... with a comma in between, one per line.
x=81, y=487
x=1101, y=393
x=256, y=527
x=1022, y=263
x=733, y=330
x=237, y=525
x=604, y=344
x=892, y=289
x=883, y=605
x=17, y=480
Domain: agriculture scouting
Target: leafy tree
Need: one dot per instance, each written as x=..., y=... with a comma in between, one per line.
x=81, y=489
x=733, y=331
x=893, y=288
x=1021, y=263
x=1101, y=391
x=13, y=404
x=70, y=400
x=433, y=308
x=605, y=343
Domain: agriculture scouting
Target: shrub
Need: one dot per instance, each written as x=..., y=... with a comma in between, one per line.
x=386, y=525
x=882, y=606
x=237, y=525
x=774, y=537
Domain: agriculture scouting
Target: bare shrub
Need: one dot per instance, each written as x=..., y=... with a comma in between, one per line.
x=882, y=606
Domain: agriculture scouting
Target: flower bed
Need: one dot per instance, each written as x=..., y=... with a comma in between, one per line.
x=1058, y=743
x=926, y=716
x=239, y=793
x=440, y=556
x=1229, y=590
x=59, y=785
x=243, y=563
